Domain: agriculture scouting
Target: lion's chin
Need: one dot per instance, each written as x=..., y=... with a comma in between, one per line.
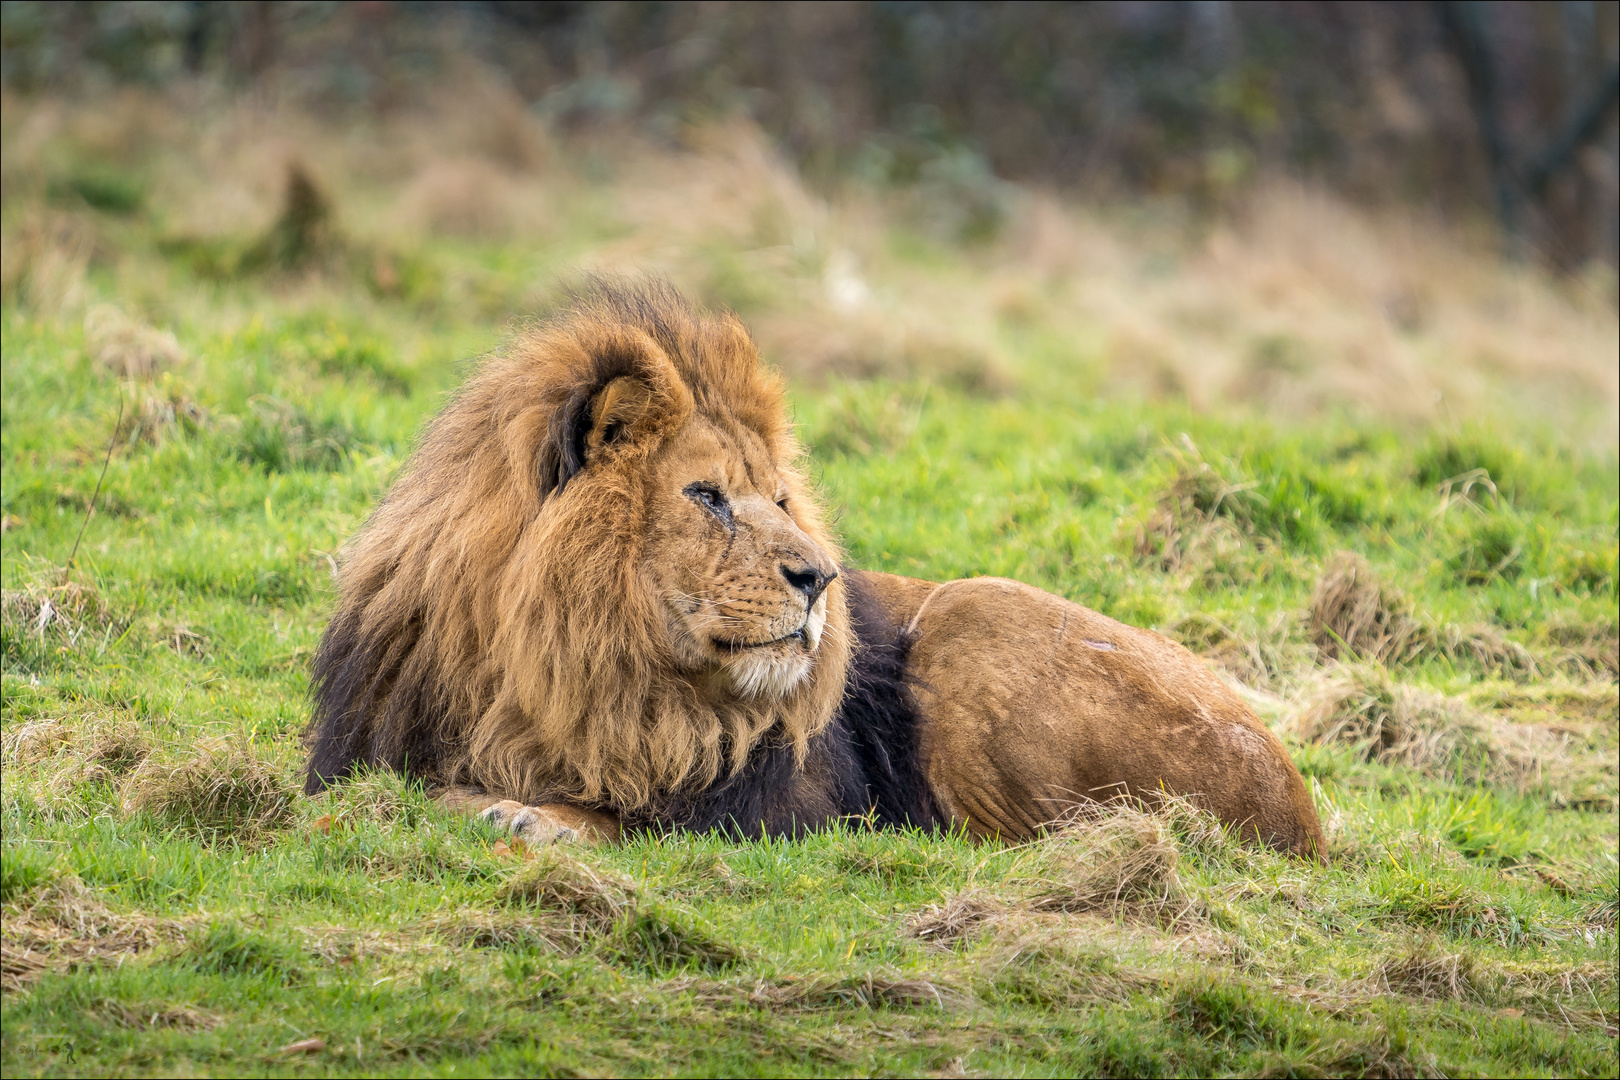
x=767, y=673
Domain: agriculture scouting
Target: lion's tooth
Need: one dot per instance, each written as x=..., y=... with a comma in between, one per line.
x=814, y=624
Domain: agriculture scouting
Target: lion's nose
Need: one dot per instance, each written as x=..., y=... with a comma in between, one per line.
x=807, y=579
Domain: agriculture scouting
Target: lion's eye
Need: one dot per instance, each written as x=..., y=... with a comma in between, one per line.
x=783, y=504
x=710, y=498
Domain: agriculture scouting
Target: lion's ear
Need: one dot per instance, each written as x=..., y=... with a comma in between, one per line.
x=614, y=413
x=587, y=424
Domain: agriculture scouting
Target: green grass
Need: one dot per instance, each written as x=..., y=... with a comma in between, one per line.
x=173, y=906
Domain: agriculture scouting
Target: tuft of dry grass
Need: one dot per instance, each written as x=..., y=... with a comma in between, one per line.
x=1488, y=648
x=1591, y=647
x=158, y=417
x=1118, y=859
x=1445, y=736
x=179, y=637
x=223, y=789
x=129, y=348
x=59, y=614
x=1426, y=971
x=33, y=742
x=871, y=990
x=381, y=798
x=110, y=749
x=1391, y=723
x=958, y=917
x=477, y=929
x=85, y=749
x=592, y=897
x=1259, y=657
x=1355, y=616
x=1200, y=515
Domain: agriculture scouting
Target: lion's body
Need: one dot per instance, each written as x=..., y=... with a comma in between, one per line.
x=1030, y=703
x=602, y=589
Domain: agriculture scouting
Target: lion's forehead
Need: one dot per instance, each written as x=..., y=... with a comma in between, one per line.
x=736, y=453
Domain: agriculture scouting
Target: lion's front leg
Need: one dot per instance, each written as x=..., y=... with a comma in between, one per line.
x=545, y=824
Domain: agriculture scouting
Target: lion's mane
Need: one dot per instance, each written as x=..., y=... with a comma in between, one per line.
x=493, y=627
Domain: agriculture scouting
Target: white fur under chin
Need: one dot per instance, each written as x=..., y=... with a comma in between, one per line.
x=763, y=675
x=756, y=675
x=772, y=671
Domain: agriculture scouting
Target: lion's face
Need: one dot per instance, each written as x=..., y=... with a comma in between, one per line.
x=600, y=575
x=742, y=585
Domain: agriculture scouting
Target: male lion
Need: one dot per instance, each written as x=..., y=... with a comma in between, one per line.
x=602, y=597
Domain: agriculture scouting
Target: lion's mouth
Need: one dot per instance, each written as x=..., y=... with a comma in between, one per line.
x=801, y=635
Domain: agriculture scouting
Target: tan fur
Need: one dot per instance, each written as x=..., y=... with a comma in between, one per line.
x=1034, y=703
x=559, y=624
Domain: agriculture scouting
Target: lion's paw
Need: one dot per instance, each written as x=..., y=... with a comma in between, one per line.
x=533, y=824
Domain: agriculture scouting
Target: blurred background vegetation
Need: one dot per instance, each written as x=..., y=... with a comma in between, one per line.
x=1404, y=211
x=1504, y=109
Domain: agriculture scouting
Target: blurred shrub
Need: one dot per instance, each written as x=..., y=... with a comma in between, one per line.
x=1488, y=548
x=102, y=187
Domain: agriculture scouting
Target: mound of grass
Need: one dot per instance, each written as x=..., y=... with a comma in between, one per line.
x=221, y=790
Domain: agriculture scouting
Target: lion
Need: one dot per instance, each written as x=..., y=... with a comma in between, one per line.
x=602, y=596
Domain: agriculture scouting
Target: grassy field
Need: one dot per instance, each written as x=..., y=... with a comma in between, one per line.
x=1389, y=518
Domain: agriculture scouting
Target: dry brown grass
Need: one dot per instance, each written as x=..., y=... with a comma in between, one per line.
x=222, y=789
x=1355, y=616
x=1362, y=705
x=63, y=614
x=1122, y=864
x=1485, y=646
x=1264, y=656
x=593, y=898
x=1117, y=860
x=1201, y=515
x=128, y=348
x=70, y=751
x=385, y=800
x=180, y=637
x=872, y=990
x=1426, y=971
x=1589, y=648
x=958, y=917
x=156, y=417
x=479, y=929
x=61, y=925
x=1578, y=996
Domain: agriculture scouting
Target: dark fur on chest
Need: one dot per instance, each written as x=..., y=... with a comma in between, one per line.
x=865, y=763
